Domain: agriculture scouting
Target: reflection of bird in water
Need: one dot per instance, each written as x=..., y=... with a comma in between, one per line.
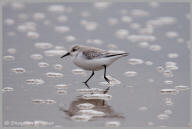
x=93, y=59
x=99, y=105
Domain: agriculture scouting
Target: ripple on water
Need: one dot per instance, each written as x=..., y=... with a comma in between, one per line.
x=155, y=47
x=9, y=58
x=35, y=81
x=112, y=124
x=54, y=75
x=91, y=112
x=18, y=70
x=169, y=82
x=130, y=73
x=97, y=96
x=168, y=73
x=62, y=29
x=43, y=45
x=55, y=52
x=38, y=101
x=85, y=106
x=134, y=61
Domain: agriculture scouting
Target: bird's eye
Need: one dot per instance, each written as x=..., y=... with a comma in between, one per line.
x=74, y=49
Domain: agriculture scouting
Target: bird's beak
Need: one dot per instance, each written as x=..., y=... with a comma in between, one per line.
x=65, y=54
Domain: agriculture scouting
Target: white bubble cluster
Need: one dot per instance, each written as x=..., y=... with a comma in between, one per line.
x=101, y=5
x=139, y=13
x=11, y=50
x=54, y=75
x=36, y=56
x=43, y=64
x=97, y=96
x=9, y=21
x=33, y=35
x=56, y=8
x=94, y=41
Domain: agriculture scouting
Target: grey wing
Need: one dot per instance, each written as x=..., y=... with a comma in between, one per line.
x=91, y=54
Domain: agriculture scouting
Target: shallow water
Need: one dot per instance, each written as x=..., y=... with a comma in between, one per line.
x=150, y=87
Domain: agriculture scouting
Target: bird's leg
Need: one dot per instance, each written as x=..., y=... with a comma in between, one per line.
x=89, y=78
x=106, y=79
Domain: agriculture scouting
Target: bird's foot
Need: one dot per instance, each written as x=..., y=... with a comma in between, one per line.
x=106, y=79
x=86, y=84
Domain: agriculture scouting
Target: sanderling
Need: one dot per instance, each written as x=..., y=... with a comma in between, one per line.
x=93, y=59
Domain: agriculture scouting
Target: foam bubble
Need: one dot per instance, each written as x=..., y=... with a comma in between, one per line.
x=43, y=45
x=112, y=124
x=50, y=101
x=61, y=86
x=62, y=18
x=155, y=47
x=130, y=73
x=54, y=52
x=113, y=81
x=169, y=91
x=168, y=101
x=83, y=118
x=35, y=81
x=91, y=90
x=62, y=29
x=43, y=64
x=141, y=38
x=9, y=21
x=149, y=63
x=85, y=106
x=168, y=73
x=38, y=16
x=36, y=56
x=85, y=14
x=69, y=38
x=58, y=66
x=112, y=21
x=139, y=13
x=168, y=112
x=54, y=75
x=143, y=44
x=11, y=50
x=56, y=8
x=78, y=71
x=97, y=96
x=134, y=61
x=9, y=58
x=7, y=89
x=121, y=33
x=101, y=5
x=18, y=70
x=171, y=34
x=169, y=82
x=18, y=5
x=163, y=116
x=135, y=26
x=32, y=35
x=182, y=88
x=173, y=55
x=126, y=19
x=143, y=108
x=38, y=101
x=91, y=112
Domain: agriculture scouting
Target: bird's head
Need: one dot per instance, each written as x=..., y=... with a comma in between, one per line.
x=73, y=51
